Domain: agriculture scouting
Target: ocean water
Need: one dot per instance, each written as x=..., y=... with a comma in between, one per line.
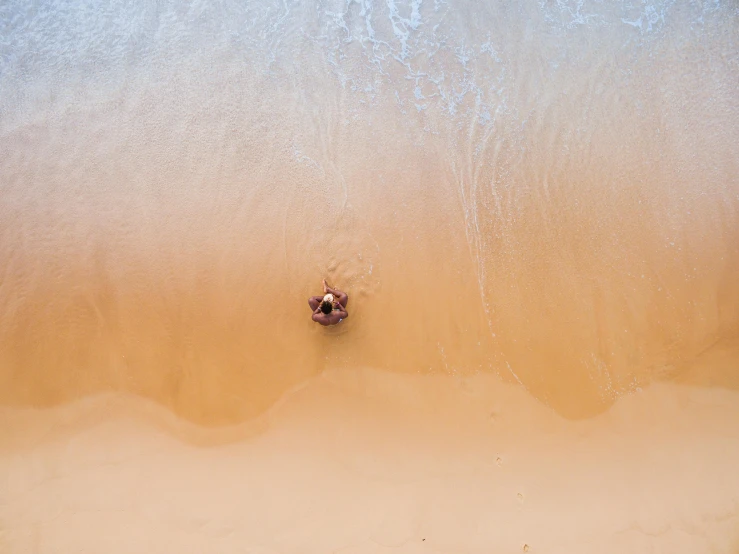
x=543, y=190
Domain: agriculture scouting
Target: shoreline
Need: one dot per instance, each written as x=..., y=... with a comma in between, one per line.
x=367, y=461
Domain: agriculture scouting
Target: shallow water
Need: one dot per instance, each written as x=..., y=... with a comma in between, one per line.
x=547, y=191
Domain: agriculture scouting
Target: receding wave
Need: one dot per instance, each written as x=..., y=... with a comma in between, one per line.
x=548, y=192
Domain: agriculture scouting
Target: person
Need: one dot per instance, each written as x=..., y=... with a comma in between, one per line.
x=329, y=309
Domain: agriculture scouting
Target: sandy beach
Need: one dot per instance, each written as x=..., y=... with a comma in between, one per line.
x=533, y=206
x=365, y=461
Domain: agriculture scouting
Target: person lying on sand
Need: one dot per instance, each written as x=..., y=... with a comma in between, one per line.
x=329, y=309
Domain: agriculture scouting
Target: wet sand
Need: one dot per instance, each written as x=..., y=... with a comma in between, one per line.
x=522, y=192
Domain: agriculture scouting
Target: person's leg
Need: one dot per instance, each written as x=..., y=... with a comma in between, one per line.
x=342, y=297
x=314, y=302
